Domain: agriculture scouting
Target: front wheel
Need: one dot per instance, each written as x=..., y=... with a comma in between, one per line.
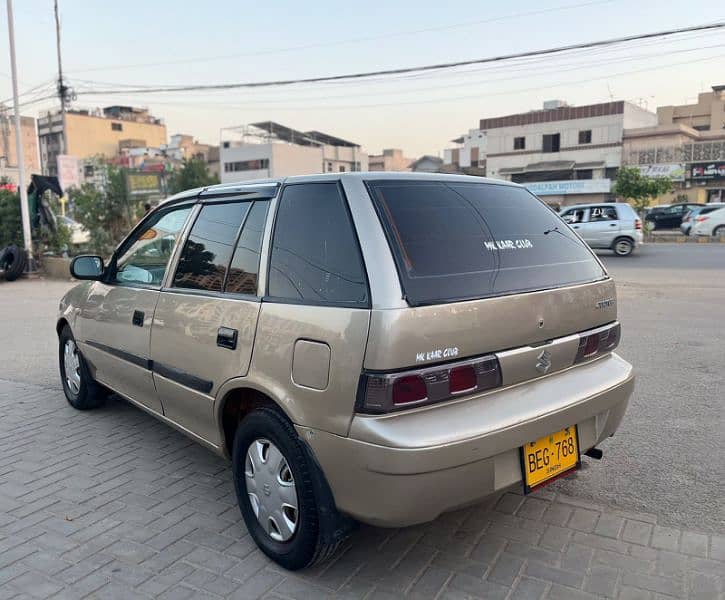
x=81, y=391
x=275, y=483
x=623, y=247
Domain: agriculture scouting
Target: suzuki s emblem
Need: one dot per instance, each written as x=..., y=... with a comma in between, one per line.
x=543, y=361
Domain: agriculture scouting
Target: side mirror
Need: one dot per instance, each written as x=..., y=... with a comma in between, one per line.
x=87, y=267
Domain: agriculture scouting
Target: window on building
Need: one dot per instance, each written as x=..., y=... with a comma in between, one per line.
x=342, y=168
x=315, y=255
x=519, y=143
x=611, y=172
x=204, y=259
x=584, y=173
x=116, y=126
x=247, y=165
x=244, y=268
x=551, y=142
x=701, y=127
x=88, y=171
x=585, y=136
x=329, y=167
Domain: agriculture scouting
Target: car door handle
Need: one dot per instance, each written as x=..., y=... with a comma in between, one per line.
x=226, y=337
x=612, y=224
x=138, y=317
x=575, y=226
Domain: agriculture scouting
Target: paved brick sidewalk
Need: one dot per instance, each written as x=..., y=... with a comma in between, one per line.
x=114, y=504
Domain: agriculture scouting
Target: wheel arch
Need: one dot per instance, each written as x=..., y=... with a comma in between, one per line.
x=235, y=402
x=61, y=323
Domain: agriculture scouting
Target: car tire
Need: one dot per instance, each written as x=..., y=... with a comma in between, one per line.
x=719, y=231
x=80, y=389
x=13, y=262
x=268, y=485
x=623, y=246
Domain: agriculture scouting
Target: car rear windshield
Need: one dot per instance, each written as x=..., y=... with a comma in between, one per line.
x=459, y=241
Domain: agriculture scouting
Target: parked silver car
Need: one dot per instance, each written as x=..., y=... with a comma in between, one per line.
x=690, y=219
x=613, y=226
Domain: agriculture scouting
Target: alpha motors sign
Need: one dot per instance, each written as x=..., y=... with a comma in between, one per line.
x=574, y=186
x=709, y=170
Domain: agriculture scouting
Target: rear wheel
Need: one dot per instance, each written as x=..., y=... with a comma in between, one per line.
x=623, y=247
x=719, y=231
x=81, y=391
x=275, y=483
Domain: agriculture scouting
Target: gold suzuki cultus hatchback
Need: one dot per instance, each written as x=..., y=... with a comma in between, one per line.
x=364, y=347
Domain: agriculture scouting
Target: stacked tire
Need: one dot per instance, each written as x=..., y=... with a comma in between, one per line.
x=12, y=262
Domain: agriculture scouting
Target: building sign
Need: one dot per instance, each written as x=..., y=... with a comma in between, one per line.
x=675, y=171
x=69, y=171
x=143, y=183
x=575, y=186
x=711, y=170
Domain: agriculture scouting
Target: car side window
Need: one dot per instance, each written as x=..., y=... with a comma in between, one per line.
x=208, y=249
x=575, y=215
x=147, y=254
x=315, y=254
x=602, y=213
x=244, y=268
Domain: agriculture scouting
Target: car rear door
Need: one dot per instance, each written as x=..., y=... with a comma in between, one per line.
x=602, y=226
x=115, y=320
x=205, y=322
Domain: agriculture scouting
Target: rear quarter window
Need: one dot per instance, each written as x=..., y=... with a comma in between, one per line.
x=460, y=241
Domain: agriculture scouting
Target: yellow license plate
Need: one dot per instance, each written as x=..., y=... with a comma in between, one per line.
x=549, y=457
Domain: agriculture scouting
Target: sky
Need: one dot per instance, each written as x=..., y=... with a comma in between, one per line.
x=114, y=45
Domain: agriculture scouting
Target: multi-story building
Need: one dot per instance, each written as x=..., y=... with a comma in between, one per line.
x=8, y=149
x=391, y=159
x=565, y=154
x=469, y=156
x=687, y=145
x=84, y=134
x=269, y=149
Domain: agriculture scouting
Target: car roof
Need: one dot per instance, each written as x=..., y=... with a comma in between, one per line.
x=563, y=208
x=230, y=188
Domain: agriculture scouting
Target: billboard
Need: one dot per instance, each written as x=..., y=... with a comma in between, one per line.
x=143, y=183
x=708, y=170
x=574, y=186
x=675, y=171
x=69, y=171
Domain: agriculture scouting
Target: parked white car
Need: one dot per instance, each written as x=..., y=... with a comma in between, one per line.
x=614, y=226
x=710, y=224
x=79, y=234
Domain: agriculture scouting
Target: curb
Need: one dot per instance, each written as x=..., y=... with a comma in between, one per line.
x=683, y=239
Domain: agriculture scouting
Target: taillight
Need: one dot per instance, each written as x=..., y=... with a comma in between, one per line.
x=382, y=393
x=637, y=224
x=598, y=342
x=410, y=388
x=701, y=219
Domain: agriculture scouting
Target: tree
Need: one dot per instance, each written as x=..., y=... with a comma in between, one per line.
x=193, y=173
x=106, y=213
x=639, y=189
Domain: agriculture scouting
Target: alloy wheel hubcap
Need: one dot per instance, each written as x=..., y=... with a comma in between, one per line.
x=72, y=366
x=622, y=247
x=271, y=490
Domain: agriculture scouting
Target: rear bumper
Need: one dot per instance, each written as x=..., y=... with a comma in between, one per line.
x=404, y=469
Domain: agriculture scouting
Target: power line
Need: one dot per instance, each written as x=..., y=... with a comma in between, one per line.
x=343, y=42
x=403, y=70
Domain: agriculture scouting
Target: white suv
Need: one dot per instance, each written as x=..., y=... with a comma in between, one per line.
x=613, y=226
x=710, y=224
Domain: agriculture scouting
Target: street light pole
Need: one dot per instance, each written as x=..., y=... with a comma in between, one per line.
x=24, y=211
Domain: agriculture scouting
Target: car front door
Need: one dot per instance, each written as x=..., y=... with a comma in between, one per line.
x=205, y=322
x=116, y=317
x=602, y=226
x=577, y=220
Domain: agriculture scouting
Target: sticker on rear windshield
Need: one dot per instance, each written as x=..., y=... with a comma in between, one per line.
x=508, y=244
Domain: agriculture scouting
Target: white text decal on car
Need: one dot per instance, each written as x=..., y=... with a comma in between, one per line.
x=439, y=354
x=508, y=244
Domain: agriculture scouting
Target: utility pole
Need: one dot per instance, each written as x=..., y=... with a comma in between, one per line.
x=24, y=211
x=63, y=91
